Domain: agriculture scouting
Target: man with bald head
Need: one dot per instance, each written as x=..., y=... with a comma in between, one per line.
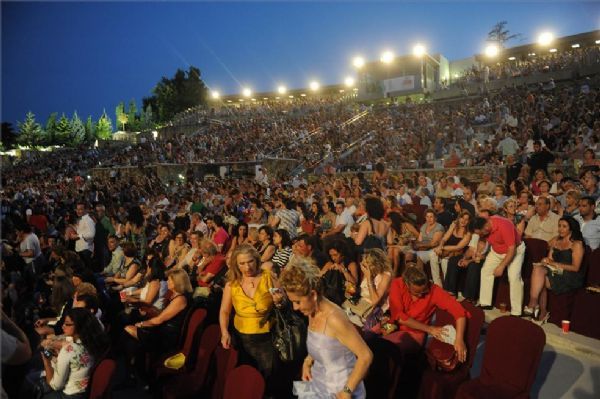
x=544, y=224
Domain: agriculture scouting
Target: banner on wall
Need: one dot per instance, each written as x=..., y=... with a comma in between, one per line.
x=403, y=83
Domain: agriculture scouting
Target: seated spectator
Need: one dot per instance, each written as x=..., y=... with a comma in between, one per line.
x=565, y=254
x=162, y=242
x=307, y=246
x=178, y=249
x=443, y=189
x=401, y=234
x=375, y=284
x=341, y=271
x=160, y=334
x=572, y=204
x=216, y=232
x=590, y=222
x=486, y=187
x=211, y=263
x=471, y=263
x=509, y=211
x=117, y=259
x=132, y=272
x=372, y=232
x=266, y=249
x=283, y=250
x=68, y=376
x=442, y=215
x=150, y=299
x=451, y=247
x=192, y=256
x=327, y=219
x=507, y=253
x=499, y=195
x=413, y=300
x=240, y=236
x=543, y=225
x=429, y=237
x=61, y=301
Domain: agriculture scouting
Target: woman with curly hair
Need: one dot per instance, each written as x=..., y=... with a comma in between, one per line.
x=68, y=372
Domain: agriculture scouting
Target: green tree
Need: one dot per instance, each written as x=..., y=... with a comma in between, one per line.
x=30, y=132
x=77, y=130
x=90, y=130
x=104, y=127
x=9, y=136
x=146, y=118
x=131, y=116
x=500, y=35
x=51, y=129
x=121, y=116
x=171, y=96
x=63, y=130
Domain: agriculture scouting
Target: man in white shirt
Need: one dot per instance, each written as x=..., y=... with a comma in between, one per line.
x=590, y=222
x=85, y=230
x=29, y=249
x=508, y=146
x=544, y=224
x=343, y=220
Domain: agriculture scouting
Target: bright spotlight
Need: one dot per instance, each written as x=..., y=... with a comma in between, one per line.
x=358, y=62
x=387, y=57
x=511, y=58
x=492, y=50
x=545, y=38
x=349, y=81
x=216, y=95
x=314, y=85
x=419, y=50
x=282, y=90
x=576, y=45
x=553, y=50
x=247, y=92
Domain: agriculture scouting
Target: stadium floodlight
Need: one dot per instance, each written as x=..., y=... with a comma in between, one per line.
x=358, y=62
x=302, y=95
x=282, y=89
x=492, y=50
x=247, y=92
x=545, y=38
x=511, y=58
x=216, y=95
x=314, y=85
x=597, y=41
x=419, y=50
x=387, y=57
x=349, y=81
x=576, y=45
x=553, y=50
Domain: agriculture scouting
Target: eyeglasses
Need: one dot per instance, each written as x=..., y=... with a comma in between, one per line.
x=68, y=324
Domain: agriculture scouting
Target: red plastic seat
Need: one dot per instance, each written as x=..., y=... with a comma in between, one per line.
x=513, y=350
x=192, y=381
x=101, y=383
x=225, y=361
x=593, y=269
x=535, y=251
x=437, y=384
x=385, y=371
x=193, y=326
x=244, y=382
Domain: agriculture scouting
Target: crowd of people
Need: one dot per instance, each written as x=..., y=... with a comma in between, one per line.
x=111, y=266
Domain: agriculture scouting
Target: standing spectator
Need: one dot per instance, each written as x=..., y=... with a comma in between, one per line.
x=286, y=217
x=84, y=233
x=507, y=252
x=540, y=158
x=508, y=146
x=29, y=248
x=104, y=228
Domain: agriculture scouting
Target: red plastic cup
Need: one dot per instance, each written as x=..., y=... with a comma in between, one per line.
x=566, y=326
x=123, y=295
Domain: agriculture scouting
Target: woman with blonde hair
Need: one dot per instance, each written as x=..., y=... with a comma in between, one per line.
x=247, y=293
x=161, y=333
x=338, y=358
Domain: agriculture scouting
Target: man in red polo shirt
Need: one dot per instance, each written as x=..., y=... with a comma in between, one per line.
x=413, y=300
x=507, y=252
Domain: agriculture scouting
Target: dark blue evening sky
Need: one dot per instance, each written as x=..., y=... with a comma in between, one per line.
x=61, y=57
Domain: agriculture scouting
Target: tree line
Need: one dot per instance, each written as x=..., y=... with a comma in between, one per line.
x=169, y=97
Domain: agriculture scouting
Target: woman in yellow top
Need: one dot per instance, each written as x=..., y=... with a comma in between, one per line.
x=247, y=292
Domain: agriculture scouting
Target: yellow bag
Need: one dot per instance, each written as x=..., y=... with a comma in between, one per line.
x=175, y=362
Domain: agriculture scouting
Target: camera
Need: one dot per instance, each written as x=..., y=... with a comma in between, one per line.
x=47, y=353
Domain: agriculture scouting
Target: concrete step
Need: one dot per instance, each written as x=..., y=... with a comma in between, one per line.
x=577, y=344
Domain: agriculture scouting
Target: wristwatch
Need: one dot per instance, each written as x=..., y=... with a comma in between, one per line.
x=347, y=390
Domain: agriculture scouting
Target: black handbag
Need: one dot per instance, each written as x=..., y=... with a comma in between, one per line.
x=288, y=332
